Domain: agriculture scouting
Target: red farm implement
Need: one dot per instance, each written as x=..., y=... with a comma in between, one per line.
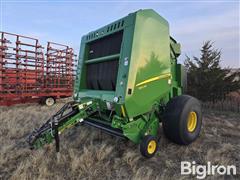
x=28, y=74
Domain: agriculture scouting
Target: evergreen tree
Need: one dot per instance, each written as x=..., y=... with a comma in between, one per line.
x=206, y=79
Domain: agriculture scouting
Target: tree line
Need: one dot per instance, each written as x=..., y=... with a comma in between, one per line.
x=206, y=79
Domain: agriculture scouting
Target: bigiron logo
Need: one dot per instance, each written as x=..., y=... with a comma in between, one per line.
x=201, y=171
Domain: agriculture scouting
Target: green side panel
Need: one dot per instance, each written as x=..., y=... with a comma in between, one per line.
x=181, y=77
x=103, y=95
x=176, y=48
x=139, y=128
x=125, y=58
x=80, y=76
x=150, y=58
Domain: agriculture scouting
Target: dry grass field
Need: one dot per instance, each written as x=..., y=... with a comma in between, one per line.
x=87, y=153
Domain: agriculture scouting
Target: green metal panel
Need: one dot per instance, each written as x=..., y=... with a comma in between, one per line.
x=80, y=79
x=150, y=58
x=124, y=61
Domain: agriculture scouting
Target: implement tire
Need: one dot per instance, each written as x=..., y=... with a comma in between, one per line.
x=148, y=146
x=182, y=119
x=49, y=101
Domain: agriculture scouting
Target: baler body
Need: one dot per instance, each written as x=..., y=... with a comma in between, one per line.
x=129, y=68
x=127, y=74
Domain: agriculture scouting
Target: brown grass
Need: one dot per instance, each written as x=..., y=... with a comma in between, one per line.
x=88, y=153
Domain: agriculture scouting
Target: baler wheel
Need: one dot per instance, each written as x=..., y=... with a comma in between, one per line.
x=182, y=119
x=148, y=146
x=49, y=101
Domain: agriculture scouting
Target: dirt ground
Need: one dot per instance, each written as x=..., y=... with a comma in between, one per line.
x=87, y=153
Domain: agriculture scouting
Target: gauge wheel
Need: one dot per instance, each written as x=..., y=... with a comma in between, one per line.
x=148, y=146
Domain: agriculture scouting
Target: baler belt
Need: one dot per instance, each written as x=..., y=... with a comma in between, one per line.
x=105, y=46
x=102, y=76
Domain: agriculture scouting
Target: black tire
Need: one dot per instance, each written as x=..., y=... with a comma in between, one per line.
x=49, y=101
x=180, y=112
x=146, y=145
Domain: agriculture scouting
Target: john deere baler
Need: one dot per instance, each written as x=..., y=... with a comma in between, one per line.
x=128, y=81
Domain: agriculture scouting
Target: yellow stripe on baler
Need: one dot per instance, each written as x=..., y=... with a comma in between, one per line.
x=163, y=76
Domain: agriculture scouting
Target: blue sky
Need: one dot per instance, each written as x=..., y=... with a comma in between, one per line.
x=191, y=23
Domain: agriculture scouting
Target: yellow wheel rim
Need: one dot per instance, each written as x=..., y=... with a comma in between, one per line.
x=152, y=145
x=192, y=121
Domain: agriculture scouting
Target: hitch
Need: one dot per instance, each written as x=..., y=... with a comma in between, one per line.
x=69, y=115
